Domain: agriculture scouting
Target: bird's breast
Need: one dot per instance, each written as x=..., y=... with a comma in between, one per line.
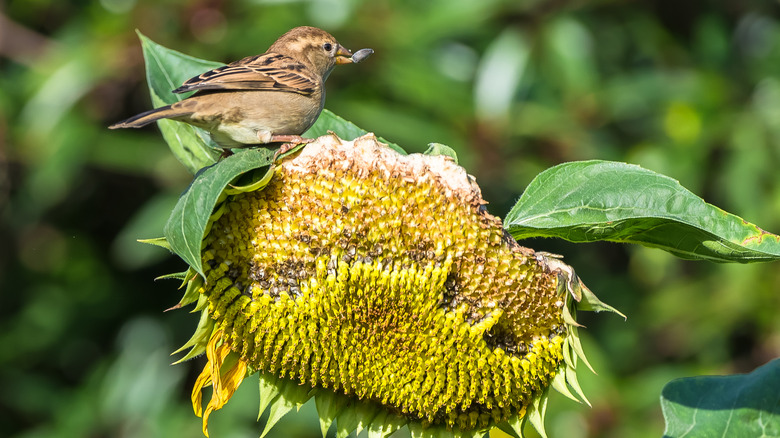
x=248, y=116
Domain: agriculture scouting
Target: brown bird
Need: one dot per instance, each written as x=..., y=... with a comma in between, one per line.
x=272, y=97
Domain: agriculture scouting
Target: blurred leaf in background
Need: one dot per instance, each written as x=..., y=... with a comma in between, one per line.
x=736, y=405
x=689, y=90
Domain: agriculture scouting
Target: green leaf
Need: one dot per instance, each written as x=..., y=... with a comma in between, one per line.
x=559, y=384
x=166, y=70
x=537, y=411
x=270, y=386
x=442, y=149
x=188, y=221
x=744, y=405
x=513, y=427
x=417, y=430
x=588, y=201
x=365, y=412
x=385, y=424
x=291, y=395
x=329, y=405
x=192, y=293
x=199, y=340
x=591, y=302
x=329, y=122
x=173, y=276
x=346, y=422
x=158, y=241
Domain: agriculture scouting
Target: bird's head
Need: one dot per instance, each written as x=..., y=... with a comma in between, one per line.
x=314, y=47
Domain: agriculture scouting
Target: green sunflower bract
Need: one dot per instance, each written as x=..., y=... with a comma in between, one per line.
x=379, y=283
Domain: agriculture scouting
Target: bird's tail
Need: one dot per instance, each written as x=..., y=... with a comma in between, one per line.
x=147, y=117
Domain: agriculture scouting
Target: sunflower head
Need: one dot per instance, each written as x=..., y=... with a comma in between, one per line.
x=379, y=284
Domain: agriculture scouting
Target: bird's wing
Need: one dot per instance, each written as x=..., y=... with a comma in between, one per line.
x=269, y=71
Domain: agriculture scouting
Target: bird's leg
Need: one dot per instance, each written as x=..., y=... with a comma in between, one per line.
x=290, y=142
x=225, y=153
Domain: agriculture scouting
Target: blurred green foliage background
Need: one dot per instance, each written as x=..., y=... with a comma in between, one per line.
x=689, y=89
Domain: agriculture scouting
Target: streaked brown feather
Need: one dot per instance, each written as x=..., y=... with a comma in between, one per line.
x=269, y=71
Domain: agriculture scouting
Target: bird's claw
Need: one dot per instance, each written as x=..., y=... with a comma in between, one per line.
x=290, y=142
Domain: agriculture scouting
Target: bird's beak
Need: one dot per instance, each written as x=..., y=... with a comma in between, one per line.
x=343, y=56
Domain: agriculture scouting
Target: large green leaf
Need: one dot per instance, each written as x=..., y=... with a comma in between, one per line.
x=589, y=201
x=166, y=70
x=745, y=405
x=187, y=224
x=329, y=122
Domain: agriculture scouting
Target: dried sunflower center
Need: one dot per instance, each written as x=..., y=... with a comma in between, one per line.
x=371, y=278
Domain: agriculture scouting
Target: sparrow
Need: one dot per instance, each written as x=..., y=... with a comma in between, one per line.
x=272, y=97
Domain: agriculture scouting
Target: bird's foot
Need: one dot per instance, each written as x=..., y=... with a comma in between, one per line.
x=290, y=142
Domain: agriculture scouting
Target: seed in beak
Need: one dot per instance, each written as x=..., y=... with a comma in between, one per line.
x=361, y=55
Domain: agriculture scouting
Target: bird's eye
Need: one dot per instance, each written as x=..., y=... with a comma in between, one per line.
x=327, y=47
